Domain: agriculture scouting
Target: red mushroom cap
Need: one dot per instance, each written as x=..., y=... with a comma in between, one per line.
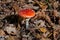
x=27, y=13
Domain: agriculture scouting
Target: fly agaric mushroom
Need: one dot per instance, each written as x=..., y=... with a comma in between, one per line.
x=27, y=13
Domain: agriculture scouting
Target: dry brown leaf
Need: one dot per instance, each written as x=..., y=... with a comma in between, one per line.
x=16, y=7
x=11, y=38
x=2, y=33
x=18, y=28
x=37, y=35
x=42, y=29
x=55, y=13
x=43, y=5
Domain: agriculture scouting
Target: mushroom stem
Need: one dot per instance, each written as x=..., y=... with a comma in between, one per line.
x=27, y=23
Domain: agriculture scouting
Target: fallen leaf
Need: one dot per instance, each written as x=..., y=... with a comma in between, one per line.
x=37, y=36
x=42, y=29
x=2, y=33
x=11, y=38
x=16, y=7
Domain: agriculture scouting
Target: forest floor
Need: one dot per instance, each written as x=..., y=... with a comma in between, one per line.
x=45, y=25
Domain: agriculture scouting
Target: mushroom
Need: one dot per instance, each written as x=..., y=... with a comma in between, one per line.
x=27, y=14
